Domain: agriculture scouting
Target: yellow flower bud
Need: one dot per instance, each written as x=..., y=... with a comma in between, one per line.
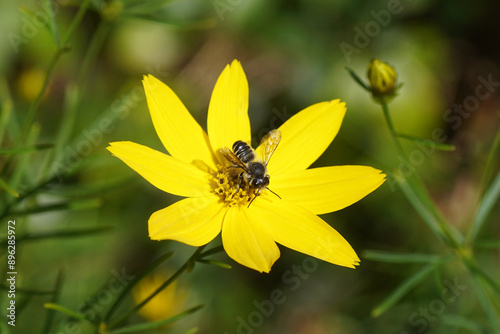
x=382, y=78
x=30, y=82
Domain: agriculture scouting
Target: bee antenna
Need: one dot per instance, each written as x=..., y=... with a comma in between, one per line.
x=273, y=192
x=253, y=199
x=257, y=194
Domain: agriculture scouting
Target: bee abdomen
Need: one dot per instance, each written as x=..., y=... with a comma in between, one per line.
x=243, y=151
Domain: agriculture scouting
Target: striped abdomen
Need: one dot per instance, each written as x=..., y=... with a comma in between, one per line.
x=243, y=151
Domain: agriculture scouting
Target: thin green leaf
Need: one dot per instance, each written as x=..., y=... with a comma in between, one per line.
x=31, y=16
x=214, y=250
x=488, y=244
x=358, y=79
x=7, y=188
x=485, y=302
x=20, y=150
x=420, y=198
x=69, y=205
x=459, y=321
x=156, y=324
x=55, y=157
x=401, y=257
x=27, y=123
x=28, y=291
x=31, y=191
x=433, y=144
x=62, y=309
x=49, y=9
x=7, y=107
x=216, y=263
x=490, y=162
x=5, y=328
x=418, y=204
x=51, y=313
x=402, y=290
x=146, y=7
x=196, y=256
x=485, y=277
x=60, y=234
x=452, y=236
x=136, y=280
x=24, y=161
x=175, y=22
x=82, y=9
x=92, y=189
x=487, y=203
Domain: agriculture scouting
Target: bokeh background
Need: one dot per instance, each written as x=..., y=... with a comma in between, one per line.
x=294, y=54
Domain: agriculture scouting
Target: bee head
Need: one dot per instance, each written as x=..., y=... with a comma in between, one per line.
x=261, y=182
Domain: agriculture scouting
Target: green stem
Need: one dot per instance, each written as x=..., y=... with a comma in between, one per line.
x=187, y=265
x=394, y=134
x=120, y=298
x=24, y=195
x=90, y=57
x=422, y=196
x=490, y=163
x=58, y=53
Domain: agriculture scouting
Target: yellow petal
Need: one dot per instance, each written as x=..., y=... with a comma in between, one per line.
x=179, y=132
x=163, y=171
x=193, y=221
x=306, y=135
x=247, y=241
x=327, y=189
x=299, y=229
x=228, y=110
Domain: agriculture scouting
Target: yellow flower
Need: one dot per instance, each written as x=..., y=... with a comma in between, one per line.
x=382, y=78
x=215, y=203
x=165, y=304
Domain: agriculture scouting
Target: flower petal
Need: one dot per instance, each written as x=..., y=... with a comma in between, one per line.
x=163, y=171
x=247, y=241
x=228, y=110
x=327, y=189
x=306, y=135
x=193, y=221
x=179, y=132
x=299, y=229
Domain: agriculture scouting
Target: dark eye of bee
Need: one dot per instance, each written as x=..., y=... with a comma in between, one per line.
x=261, y=182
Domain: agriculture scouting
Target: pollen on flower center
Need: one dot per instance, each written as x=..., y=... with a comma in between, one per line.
x=232, y=188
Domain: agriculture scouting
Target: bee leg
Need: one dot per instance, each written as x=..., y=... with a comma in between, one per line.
x=240, y=180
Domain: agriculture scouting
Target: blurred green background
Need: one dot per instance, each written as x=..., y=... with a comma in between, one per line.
x=294, y=54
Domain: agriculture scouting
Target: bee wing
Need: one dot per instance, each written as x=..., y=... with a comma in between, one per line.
x=270, y=142
x=230, y=156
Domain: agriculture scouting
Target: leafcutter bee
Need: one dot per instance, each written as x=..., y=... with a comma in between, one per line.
x=254, y=172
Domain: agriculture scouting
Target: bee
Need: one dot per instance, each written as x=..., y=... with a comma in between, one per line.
x=243, y=156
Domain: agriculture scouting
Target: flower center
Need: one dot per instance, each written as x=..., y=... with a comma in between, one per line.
x=232, y=188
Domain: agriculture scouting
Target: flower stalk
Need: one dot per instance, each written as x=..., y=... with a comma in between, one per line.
x=383, y=86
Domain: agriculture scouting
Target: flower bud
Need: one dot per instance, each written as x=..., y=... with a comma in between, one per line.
x=382, y=78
